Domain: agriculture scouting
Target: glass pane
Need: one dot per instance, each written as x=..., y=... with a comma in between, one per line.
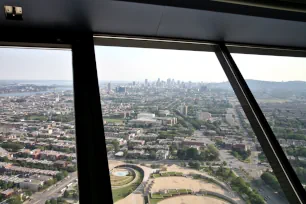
x=174, y=127
x=278, y=84
x=37, y=134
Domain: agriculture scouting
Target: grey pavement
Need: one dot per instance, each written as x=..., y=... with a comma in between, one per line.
x=52, y=191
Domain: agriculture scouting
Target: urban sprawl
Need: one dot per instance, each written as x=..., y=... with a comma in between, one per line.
x=167, y=142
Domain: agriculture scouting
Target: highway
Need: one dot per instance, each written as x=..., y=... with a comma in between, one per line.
x=51, y=192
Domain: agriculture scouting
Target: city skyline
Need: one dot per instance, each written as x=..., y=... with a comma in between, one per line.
x=127, y=65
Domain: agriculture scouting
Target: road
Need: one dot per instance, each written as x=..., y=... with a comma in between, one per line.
x=53, y=191
x=274, y=198
x=254, y=169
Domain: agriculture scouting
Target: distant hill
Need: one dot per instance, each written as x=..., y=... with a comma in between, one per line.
x=257, y=85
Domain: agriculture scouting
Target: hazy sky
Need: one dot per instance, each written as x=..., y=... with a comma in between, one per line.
x=136, y=64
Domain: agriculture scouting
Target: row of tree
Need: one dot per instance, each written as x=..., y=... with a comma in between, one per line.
x=58, y=200
x=12, y=146
x=271, y=180
x=296, y=151
x=241, y=154
x=238, y=184
x=210, y=153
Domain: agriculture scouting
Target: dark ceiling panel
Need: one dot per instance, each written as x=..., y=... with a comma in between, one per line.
x=117, y=17
x=261, y=8
x=215, y=26
x=124, y=17
x=51, y=15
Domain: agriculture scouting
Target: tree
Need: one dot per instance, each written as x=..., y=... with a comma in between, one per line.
x=152, y=155
x=59, y=176
x=195, y=165
x=191, y=153
x=66, y=194
x=211, y=153
x=155, y=166
x=14, y=200
x=270, y=180
x=28, y=192
x=116, y=145
x=256, y=198
x=12, y=146
x=181, y=153
x=5, y=159
x=231, y=175
x=65, y=173
x=53, y=201
x=75, y=195
x=183, y=164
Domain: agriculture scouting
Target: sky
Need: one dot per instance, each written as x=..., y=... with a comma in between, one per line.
x=138, y=64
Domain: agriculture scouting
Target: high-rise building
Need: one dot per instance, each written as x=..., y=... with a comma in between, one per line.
x=146, y=82
x=109, y=88
x=158, y=82
x=184, y=110
x=121, y=89
x=168, y=81
x=134, y=83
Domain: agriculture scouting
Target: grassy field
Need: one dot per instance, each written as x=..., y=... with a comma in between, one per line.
x=156, y=197
x=120, y=193
x=113, y=120
x=121, y=180
x=37, y=117
x=164, y=174
x=155, y=201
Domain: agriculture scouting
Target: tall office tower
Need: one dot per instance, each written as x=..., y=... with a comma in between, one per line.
x=184, y=109
x=168, y=81
x=146, y=82
x=109, y=87
x=185, y=112
x=121, y=89
x=158, y=82
x=134, y=83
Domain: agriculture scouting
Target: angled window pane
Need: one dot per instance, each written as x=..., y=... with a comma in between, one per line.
x=279, y=85
x=37, y=159
x=173, y=126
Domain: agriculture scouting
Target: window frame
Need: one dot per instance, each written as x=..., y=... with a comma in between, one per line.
x=276, y=156
x=281, y=166
x=94, y=177
x=88, y=115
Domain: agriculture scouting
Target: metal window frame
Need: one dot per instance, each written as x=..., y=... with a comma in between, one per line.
x=94, y=176
x=281, y=166
x=91, y=147
x=93, y=173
